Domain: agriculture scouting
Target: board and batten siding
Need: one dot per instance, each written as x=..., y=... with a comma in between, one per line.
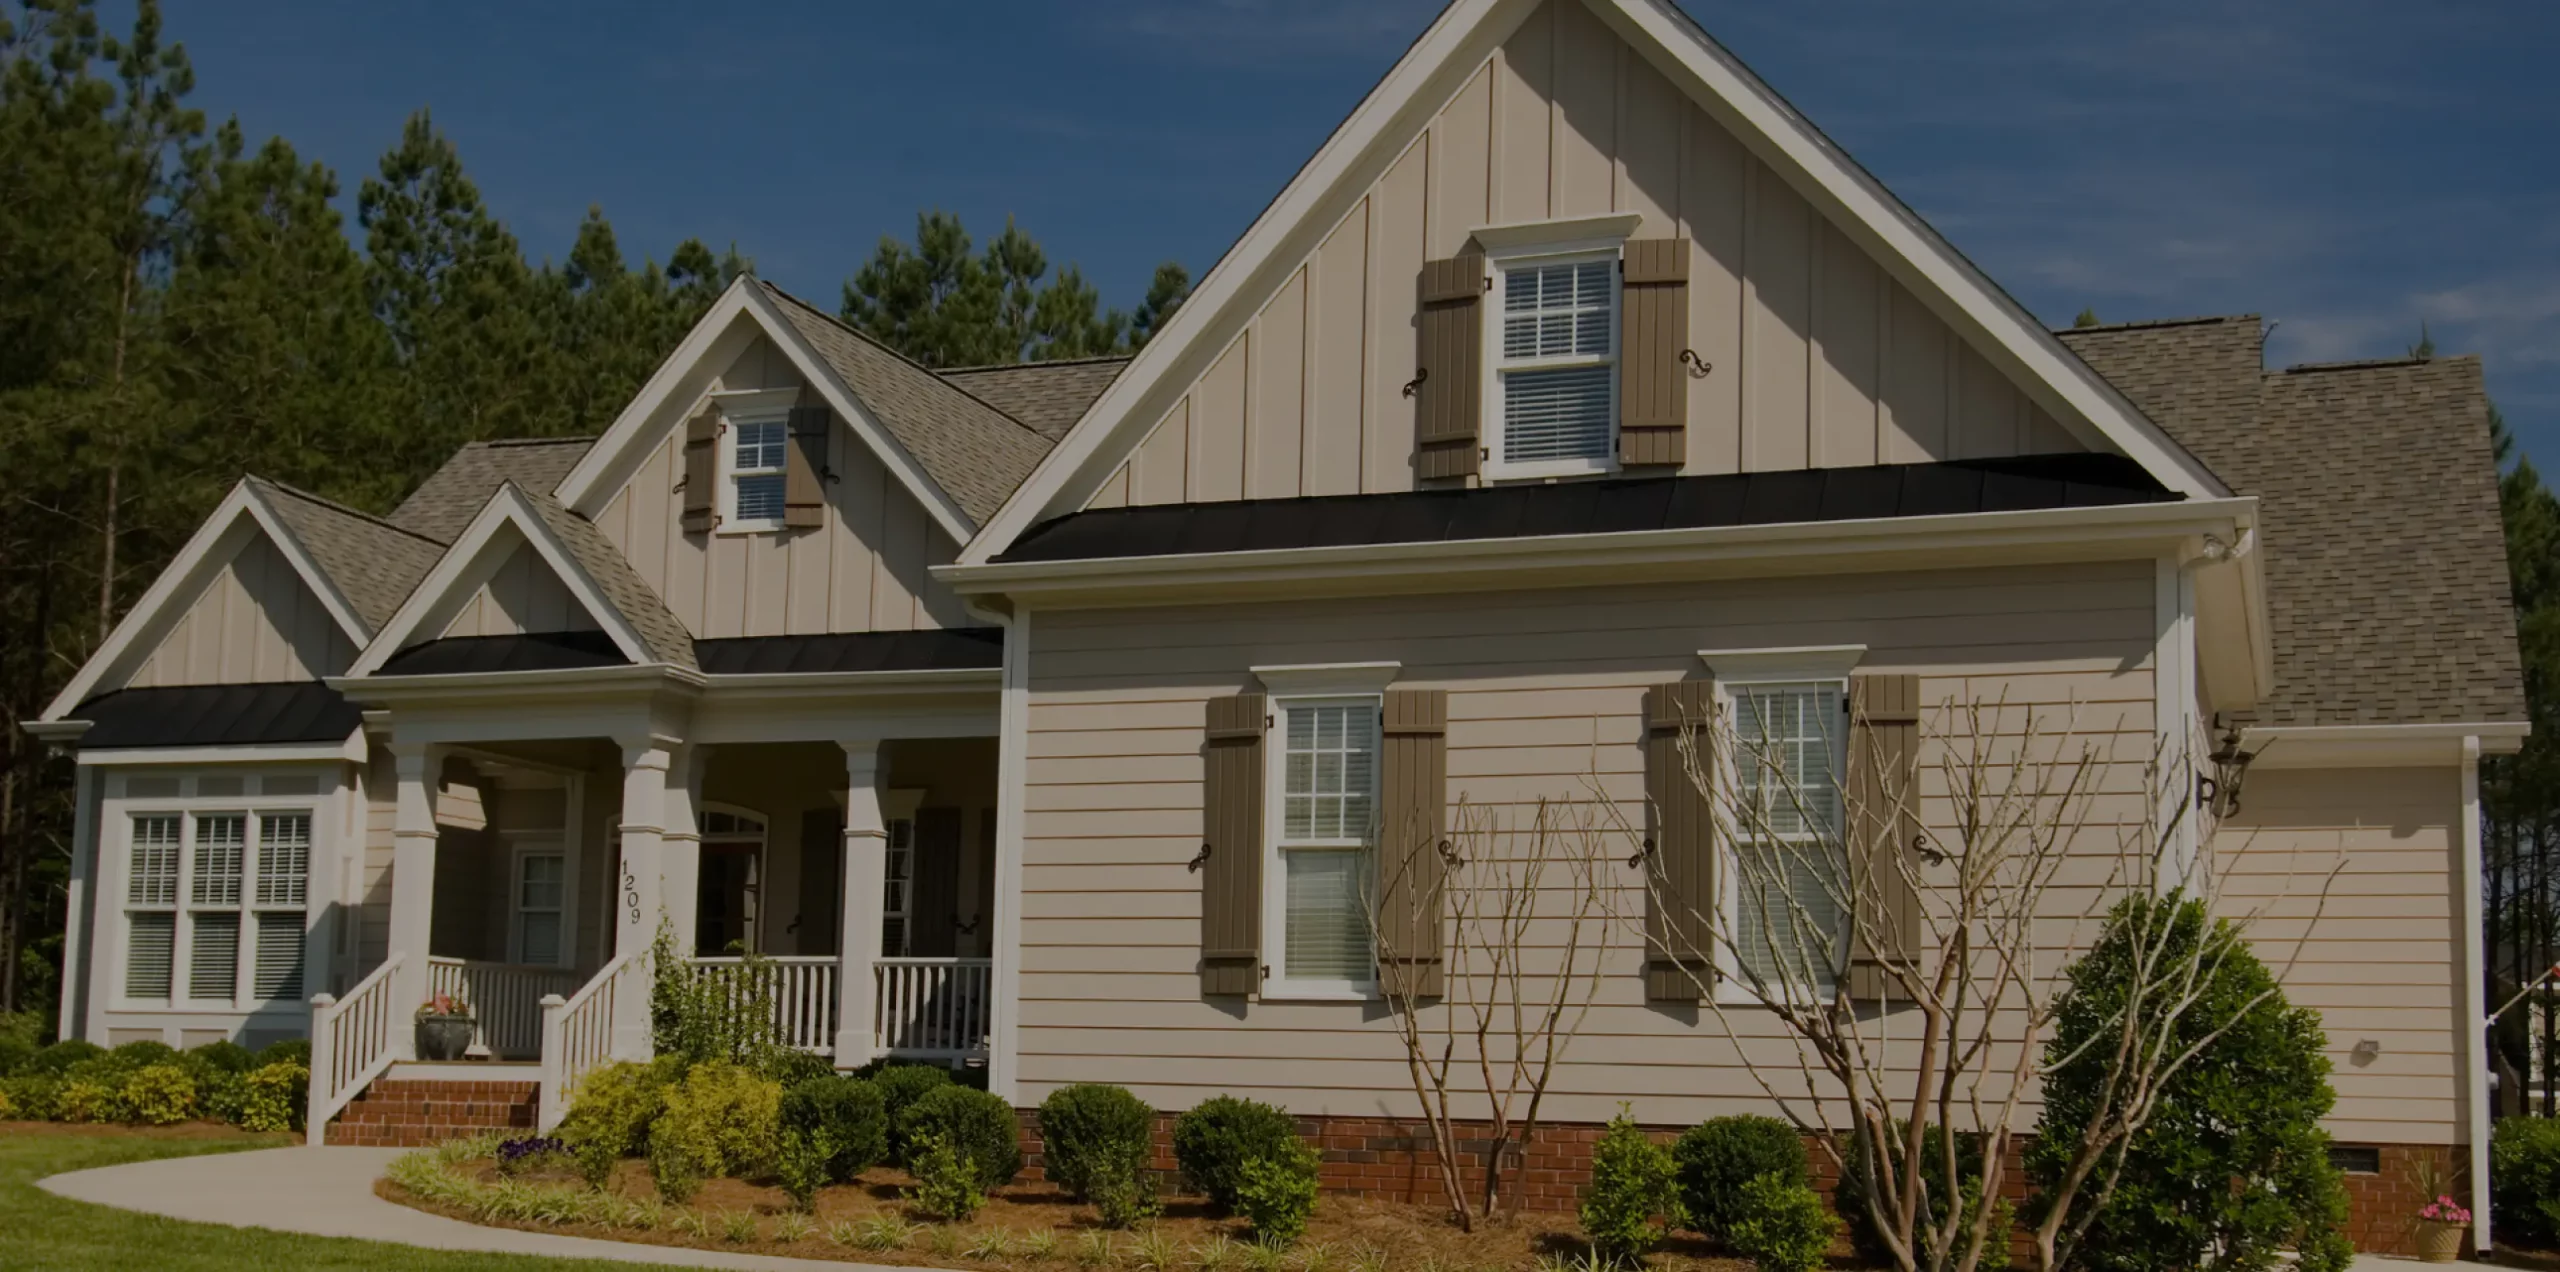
x=255, y=621
x=1820, y=359
x=524, y=595
x=2380, y=963
x=1545, y=695
x=863, y=569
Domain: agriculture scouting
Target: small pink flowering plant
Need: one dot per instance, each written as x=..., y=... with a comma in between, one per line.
x=2444, y=1209
x=444, y=1005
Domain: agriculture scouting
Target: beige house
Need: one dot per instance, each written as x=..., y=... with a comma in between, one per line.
x=1037, y=717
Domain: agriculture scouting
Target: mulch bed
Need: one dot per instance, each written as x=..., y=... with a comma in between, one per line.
x=180, y=1131
x=1412, y=1237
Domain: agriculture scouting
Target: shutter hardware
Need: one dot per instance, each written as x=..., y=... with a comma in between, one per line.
x=1420, y=374
x=1698, y=367
x=1199, y=860
x=1641, y=853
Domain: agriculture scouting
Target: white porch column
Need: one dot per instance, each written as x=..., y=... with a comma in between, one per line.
x=681, y=866
x=637, y=903
x=413, y=881
x=866, y=866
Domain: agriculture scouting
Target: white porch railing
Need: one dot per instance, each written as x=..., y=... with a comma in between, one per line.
x=505, y=1000
x=577, y=1033
x=351, y=1041
x=933, y=1008
x=803, y=990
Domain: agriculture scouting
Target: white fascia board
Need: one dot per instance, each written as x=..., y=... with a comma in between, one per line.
x=801, y=683
x=210, y=548
x=1954, y=540
x=468, y=563
x=1380, y=129
x=2305, y=746
x=349, y=751
x=2094, y=410
x=608, y=465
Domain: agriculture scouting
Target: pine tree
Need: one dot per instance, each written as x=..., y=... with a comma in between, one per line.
x=944, y=306
x=1165, y=293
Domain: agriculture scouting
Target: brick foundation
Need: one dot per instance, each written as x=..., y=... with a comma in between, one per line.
x=1390, y=1160
x=414, y=1114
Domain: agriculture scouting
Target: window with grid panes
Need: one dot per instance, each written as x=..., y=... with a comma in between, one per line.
x=757, y=454
x=542, y=894
x=1787, y=920
x=1328, y=757
x=216, y=905
x=1555, y=366
x=897, y=888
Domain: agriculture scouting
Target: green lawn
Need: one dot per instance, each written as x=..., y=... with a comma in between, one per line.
x=40, y=1230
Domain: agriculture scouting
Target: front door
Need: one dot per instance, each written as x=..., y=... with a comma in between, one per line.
x=725, y=920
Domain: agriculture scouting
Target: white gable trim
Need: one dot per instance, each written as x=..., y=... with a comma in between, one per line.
x=242, y=512
x=470, y=562
x=685, y=376
x=1384, y=125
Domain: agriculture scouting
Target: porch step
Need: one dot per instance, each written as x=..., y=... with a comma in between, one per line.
x=410, y=1112
x=463, y=1071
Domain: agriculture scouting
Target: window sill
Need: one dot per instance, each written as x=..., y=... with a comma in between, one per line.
x=1280, y=992
x=1548, y=471
x=748, y=527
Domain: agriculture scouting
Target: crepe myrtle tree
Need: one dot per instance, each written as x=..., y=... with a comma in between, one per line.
x=1902, y=952
x=1528, y=915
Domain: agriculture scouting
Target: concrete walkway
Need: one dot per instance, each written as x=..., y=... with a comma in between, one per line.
x=328, y=1192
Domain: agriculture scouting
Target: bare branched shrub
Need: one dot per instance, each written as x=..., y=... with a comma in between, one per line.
x=1529, y=918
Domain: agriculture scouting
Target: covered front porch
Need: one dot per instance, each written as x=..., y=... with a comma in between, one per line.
x=845, y=886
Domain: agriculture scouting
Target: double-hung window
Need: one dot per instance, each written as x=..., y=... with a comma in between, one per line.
x=756, y=450
x=542, y=902
x=1787, y=760
x=1324, y=825
x=898, y=889
x=1555, y=365
x=215, y=906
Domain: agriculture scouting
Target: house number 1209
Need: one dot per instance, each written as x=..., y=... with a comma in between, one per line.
x=631, y=892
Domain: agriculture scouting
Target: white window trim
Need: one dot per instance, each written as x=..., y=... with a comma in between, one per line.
x=762, y=839
x=116, y=833
x=1806, y=665
x=1279, y=986
x=1531, y=244
x=898, y=808
x=545, y=844
x=754, y=406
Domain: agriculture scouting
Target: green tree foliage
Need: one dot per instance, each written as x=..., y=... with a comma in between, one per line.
x=2233, y=1169
x=946, y=303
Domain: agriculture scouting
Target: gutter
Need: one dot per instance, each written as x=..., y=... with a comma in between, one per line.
x=2128, y=529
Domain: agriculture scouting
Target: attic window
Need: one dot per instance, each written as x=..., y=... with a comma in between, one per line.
x=754, y=446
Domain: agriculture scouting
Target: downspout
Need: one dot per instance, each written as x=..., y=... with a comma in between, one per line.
x=2475, y=1036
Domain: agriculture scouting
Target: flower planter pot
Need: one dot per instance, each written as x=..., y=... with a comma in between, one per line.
x=2440, y=1242
x=443, y=1037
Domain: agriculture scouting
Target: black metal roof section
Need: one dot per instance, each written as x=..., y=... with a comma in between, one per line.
x=956, y=649
x=1595, y=507
x=535, y=651
x=218, y=715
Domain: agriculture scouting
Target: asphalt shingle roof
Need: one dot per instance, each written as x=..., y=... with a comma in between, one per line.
x=374, y=564
x=1048, y=396
x=444, y=504
x=974, y=452
x=2386, y=564
x=666, y=636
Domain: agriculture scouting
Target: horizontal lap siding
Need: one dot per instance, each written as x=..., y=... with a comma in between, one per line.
x=2379, y=960
x=1544, y=695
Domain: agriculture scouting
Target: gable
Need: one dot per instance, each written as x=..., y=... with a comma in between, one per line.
x=865, y=568
x=1818, y=356
x=253, y=620
x=521, y=597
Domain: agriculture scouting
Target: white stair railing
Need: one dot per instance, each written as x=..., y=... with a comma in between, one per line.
x=351, y=1045
x=801, y=987
x=933, y=1008
x=505, y=999
x=577, y=1033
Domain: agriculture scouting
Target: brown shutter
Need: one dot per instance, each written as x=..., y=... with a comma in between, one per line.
x=1449, y=374
x=1412, y=836
x=804, y=468
x=1230, y=858
x=1883, y=808
x=1653, y=386
x=933, y=912
x=701, y=471
x=1680, y=893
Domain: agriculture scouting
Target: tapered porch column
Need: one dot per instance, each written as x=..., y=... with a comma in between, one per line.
x=681, y=867
x=866, y=866
x=638, y=903
x=413, y=881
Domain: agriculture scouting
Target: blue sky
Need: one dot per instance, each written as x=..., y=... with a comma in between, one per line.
x=2345, y=168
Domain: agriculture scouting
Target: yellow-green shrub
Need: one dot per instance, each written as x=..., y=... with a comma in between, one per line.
x=274, y=1096
x=159, y=1095
x=88, y=1100
x=610, y=1117
x=6, y=1112
x=721, y=1120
